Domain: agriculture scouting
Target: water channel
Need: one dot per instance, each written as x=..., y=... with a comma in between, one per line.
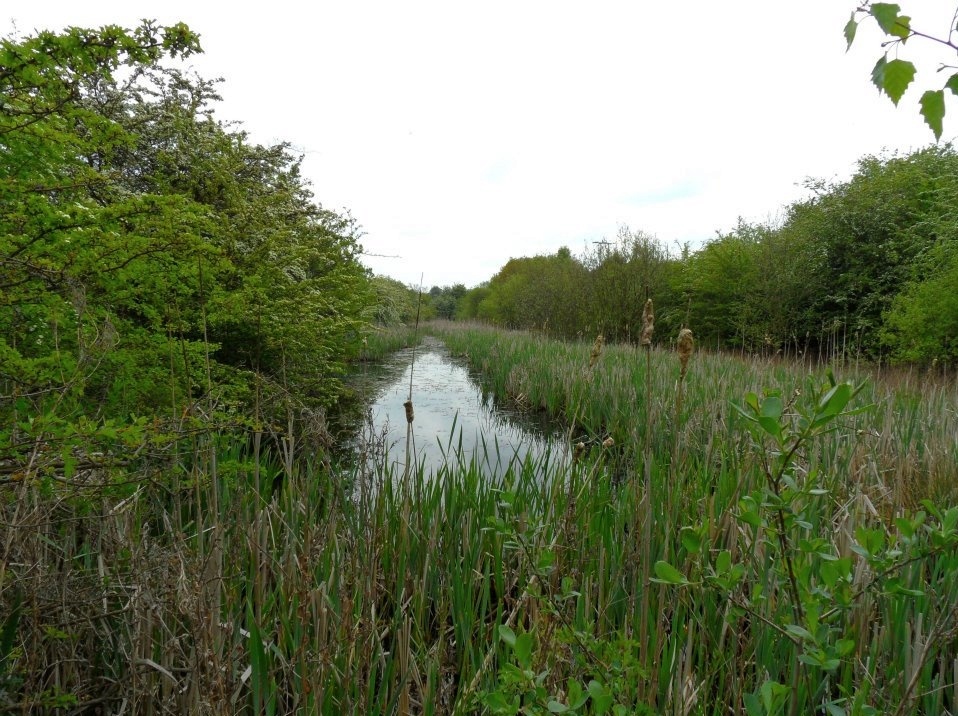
x=455, y=421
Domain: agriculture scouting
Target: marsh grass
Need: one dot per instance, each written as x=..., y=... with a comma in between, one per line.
x=207, y=577
x=906, y=445
x=381, y=342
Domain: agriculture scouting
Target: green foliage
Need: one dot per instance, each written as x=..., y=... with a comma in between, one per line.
x=725, y=310
x=828, y=276
x=601, y=292
x=538, y=292
x=444, y=301
x=804, y=588
x=893, y=77
x=394, y=303
x=151, y=255
x=829, y=279
x=468, y=308
x=922, y=324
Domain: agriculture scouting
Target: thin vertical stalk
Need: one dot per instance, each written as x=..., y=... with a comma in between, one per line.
x=644, y=507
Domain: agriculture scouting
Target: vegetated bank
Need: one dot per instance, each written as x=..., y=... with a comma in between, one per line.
x=211, y=590
x=206, y=558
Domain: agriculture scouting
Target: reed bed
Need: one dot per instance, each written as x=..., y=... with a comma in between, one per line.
x=216, y=576
x=381, y=341
x=906, y=446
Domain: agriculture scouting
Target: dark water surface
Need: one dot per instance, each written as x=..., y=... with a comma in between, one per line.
x=455, y=421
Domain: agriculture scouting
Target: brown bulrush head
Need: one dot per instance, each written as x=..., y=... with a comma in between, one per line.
x=596, y=350
x=409, y=411
x=648, y=323
x=684, y=347
x=579, y=449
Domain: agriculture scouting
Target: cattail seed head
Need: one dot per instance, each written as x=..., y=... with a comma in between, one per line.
x=596, y=350
x=409, y=411
x=579, y=449
x=648, y=323
x=684, y=346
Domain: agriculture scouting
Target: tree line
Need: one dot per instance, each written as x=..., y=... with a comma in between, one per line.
x=156, y=261
x=867, y=267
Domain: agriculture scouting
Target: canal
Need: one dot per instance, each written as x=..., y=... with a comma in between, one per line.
x=456, y=423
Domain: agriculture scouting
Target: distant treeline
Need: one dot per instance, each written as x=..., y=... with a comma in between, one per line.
x=865, y=267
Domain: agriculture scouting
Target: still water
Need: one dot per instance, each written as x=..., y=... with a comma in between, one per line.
x=455, y=421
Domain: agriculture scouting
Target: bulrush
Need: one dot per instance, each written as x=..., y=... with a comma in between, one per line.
x=596, y=350
x=684, y=347
x=648, y=323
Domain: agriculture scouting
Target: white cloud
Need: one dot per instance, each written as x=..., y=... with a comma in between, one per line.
x=462, y=135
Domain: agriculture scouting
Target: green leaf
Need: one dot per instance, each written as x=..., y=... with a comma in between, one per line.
x=546, y=561
x=799, y=632
x=753, y=707
x=773, y=694
x=897, y=75
x=69, y=464
x=835, y=400
x=741, y=411
x=844, y=647
x=523, y=649
x=507, y=635
x=850, y=28
x=933, y=110
x=496, y=701
x=556, y=708
x=901, y=28
x=724, y=562
x=878, y=73
x=668, y=574
x=952, y=83
x=576, y=694
x=748, y=511
x=886, y=14
x=771, y=426
x=601, y=698
x=691, y=540
x=834, y=709
x=772, y=407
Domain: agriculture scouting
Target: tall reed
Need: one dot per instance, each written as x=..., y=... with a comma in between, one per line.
x=206, y=576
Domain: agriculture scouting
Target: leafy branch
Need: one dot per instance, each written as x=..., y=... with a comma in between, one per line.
x=894, y=76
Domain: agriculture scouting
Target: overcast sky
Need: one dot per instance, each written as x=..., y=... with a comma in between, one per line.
x=462, y=134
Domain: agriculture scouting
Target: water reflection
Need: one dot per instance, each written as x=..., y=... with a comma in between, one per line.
x=454, y=421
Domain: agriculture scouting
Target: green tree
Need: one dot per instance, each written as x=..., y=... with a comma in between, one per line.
x=720, y=282
x=151, y=255
x=81, y=258
x=395, y=304
x=922, y=324
x=542, y=292
x=445, y=300
x=469, y=305
x=869, y=231
x=622, y=274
